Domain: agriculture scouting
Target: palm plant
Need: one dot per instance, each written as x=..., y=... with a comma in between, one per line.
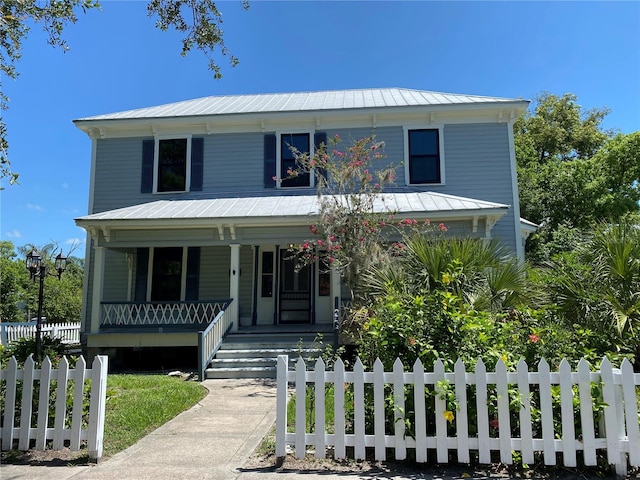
x=478, y=272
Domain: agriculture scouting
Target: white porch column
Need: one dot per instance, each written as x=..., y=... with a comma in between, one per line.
x=98, y=282
x=234, y=285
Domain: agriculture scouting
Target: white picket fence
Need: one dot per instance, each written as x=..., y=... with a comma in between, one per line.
x=67, y=428
x=67, y=332
x=443, y=425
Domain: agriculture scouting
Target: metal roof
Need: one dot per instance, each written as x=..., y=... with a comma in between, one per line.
x=303, y=101
x=254, y=209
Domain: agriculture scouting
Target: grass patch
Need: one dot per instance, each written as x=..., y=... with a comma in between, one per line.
x=310, y=409
x=138, y=404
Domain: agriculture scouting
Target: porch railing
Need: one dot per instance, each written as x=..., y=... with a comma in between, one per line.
x=133, y=314
x=210, y=339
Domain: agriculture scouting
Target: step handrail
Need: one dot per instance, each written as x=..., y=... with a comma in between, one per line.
x=210, y=339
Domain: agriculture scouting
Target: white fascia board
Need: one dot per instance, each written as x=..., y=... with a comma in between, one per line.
x=301, y=220
x=271, y=121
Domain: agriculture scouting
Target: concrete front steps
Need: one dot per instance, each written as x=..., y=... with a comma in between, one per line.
x=254, y=355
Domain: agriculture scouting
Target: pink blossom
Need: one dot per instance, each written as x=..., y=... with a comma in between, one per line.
x=494, y=423
x=533, y=338
x=332, y=238
x=442, y=227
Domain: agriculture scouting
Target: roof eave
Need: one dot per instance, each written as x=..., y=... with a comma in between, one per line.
x=516, y=107
x=297, y=220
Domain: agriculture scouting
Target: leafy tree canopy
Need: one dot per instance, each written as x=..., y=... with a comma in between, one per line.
x=18, y=294
x=571, y=172
x=199, y=20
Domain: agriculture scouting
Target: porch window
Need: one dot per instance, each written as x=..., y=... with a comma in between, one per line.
x=267, y=274
x=166, y=280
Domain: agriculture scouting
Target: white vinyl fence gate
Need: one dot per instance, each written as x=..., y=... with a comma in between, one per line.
x=62, y=392
x=443, y=420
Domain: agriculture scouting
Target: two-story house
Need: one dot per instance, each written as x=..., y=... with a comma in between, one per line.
x=187, y=221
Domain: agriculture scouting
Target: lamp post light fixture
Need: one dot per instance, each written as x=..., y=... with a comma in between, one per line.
x=37, y=268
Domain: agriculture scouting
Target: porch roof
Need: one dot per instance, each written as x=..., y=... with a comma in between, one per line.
x=290, y=209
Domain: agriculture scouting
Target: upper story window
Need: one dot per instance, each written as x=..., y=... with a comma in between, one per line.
x=172, y=165
x=301, y=142
x=425, y=158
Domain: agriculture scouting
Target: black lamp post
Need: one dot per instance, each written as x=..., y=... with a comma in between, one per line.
x=37, y=268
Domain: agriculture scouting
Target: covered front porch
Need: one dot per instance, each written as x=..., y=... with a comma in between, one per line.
x=167, y=273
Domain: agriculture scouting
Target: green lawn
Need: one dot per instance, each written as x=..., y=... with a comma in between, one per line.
x=138, y=404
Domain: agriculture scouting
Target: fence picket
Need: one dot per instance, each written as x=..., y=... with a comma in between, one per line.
x=43, y=404
x=378, y=411
x=546, y=413
x=78, y=377
x=610, y=418
x=61, y=404
x=504, y=423
x=27, y=403
x=301, y=412
x=621, y=461
x=281, y=406
x=566, y=413
x=321, y=450
x=586, y=413
x=462, y=423
x=442, y=451
x=9, y=404
x=399, y=413
x=631, y=412
x=421, y=418
x=97, y=406
x=358, y=410
x=526, y=433
x=484, y=452
x=339, y=411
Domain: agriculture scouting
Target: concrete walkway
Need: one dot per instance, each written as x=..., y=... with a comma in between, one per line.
x=209, y=441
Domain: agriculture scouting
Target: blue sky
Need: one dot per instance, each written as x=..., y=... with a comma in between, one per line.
x=119, y=61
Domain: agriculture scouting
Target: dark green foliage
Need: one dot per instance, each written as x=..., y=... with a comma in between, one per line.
x=22, y=348
x=62, y=300
x=571, y=172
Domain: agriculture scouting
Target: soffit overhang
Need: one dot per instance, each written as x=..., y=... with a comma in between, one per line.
x=198, y=117
x=280, y=211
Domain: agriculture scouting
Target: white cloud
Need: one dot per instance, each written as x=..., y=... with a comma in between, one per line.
x=37, y=208
x=74, y=241
x=14, y=234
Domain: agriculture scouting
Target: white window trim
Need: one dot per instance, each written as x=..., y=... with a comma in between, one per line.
x=431, y=126
x=156, y=152
x=279, y=134
x=183, y=273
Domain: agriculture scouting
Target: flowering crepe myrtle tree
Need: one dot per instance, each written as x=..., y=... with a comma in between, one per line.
x=354, y=230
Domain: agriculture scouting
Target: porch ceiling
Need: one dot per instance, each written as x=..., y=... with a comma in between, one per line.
x=281, y=209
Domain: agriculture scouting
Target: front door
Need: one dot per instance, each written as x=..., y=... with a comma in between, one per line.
x=294, y=291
